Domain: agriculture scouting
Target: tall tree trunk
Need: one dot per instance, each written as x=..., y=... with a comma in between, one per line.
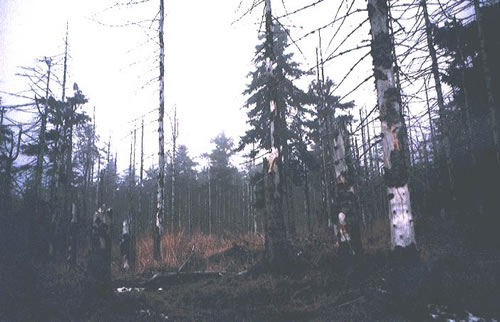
x=445, y=153
x=210, y=219
x=65, y=67
x=72, y=238
x=158, y=222
x=324, y=149
x=307, y=201
x=429, y=115
x=173, y=213
x=487, y=80
x=289, y=205
x=277, y=243
x=100, y=257
x=41, y=137
x=468, y=120
x=344, y=174
x=395, y=139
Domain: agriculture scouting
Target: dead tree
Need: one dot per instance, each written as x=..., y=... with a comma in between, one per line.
x=160, y=203
x=125, y=245
x=445, y=153
x=175, y=134
x=72, y=238
x=394, y=136
x=100, y=258
x=344, y=177
x=41, y=135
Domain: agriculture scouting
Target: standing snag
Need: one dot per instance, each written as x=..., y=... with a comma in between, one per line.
x=72, y=237
x=100, y=257
x=125, y=245
x=160, y=203
x=394, y=136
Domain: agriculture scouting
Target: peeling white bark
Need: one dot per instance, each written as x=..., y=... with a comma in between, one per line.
x=339, y=156
x=402, y=225
x=400, y=215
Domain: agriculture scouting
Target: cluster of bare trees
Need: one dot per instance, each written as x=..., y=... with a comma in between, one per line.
x=310, y=159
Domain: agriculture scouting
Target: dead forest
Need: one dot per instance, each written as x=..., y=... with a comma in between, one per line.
x=365, y=184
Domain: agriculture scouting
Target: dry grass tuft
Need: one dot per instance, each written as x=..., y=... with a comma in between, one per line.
x=177, y=247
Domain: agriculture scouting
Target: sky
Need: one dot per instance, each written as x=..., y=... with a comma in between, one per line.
x=113, y=59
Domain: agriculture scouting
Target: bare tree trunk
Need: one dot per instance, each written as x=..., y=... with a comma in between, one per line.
x=277, y=243
x=487, y=80
x=210, y=220
x=324, y=150
x=142, y=153
x=369, y=139
x=41, y=136
x=175, y=133
x=445, y=146
x=395, y=139
x=158, y=223
x=100, y=258
x=345, y=186
x=125, y=245
x=307, y=201
x=65, y=65
x=73, y=235
x=468, y=121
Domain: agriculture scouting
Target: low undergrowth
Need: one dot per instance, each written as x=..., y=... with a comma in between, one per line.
x=199, y=252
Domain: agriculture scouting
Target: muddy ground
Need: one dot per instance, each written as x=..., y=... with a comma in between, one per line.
x=446, y=281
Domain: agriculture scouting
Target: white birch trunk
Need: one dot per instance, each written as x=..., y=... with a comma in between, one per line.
x=393, y=129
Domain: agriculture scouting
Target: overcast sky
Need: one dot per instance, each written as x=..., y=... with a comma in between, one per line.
x=207, y=60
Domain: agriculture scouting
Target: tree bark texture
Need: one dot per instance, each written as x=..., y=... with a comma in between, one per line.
x=344, y=177
x=276, y=241
x=445, y=153
x=487, y=81
x=160, y=203
x=100, y=258
x=394, y=135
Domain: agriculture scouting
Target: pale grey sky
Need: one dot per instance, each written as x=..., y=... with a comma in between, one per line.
x=207, y=60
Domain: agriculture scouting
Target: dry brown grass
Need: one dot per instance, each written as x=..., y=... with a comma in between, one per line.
x=177, y=247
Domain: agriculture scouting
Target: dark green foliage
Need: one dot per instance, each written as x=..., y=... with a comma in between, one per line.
x=464, y=73
x=290, y=99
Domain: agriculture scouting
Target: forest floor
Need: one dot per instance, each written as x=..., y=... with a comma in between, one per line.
x=447, y=281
